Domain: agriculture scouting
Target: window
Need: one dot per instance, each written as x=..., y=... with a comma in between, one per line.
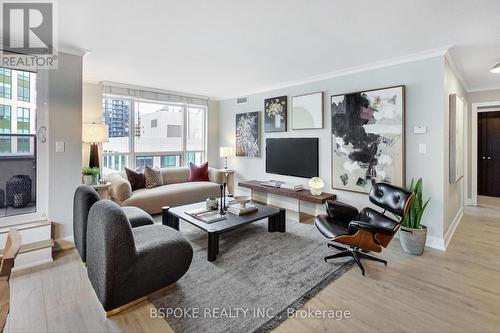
x=23, y=120
x=23, y=127
x=174, y=131
x=5, y=83
x=5, y=127
x=158, y=140
x=115, y=163
x=23, y=86
x=192, y=157
x=161, y=161
x=171, y=161
x=161, y=133
x=5, y=119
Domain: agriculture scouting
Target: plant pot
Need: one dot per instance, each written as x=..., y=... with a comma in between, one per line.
x=413, y=240
x=87, y=179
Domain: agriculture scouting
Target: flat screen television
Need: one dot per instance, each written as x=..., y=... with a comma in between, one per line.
x=292, y=157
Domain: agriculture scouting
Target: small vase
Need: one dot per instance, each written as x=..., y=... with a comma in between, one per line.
x=277, y=121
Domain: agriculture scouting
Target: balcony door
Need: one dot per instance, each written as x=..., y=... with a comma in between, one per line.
x=19, y=175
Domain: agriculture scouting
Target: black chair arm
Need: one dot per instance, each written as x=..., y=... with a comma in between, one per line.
x=341, y=211
x=355, y=226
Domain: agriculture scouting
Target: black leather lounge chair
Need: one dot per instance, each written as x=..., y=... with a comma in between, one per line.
x=368, y=229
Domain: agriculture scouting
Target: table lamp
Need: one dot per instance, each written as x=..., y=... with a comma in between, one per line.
x=94, y=133
x=316, y=184
x=226, y=152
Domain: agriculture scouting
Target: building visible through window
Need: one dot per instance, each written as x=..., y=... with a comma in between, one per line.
x=5, y=83
x=164, y=134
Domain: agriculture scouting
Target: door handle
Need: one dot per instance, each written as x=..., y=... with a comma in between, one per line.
x=489, y=157
x=484, y=157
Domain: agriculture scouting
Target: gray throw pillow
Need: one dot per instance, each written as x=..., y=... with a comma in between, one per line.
x=153, y=177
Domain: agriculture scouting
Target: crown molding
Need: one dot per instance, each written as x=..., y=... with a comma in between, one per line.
x=58, y=48
x=454, y=67
x=438, y=52
x=73, y=50
x=484, y=88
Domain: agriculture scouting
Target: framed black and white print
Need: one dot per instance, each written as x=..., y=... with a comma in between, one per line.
x=247, y=134
x=275, y=114
x=368, y=138
x=307, y=111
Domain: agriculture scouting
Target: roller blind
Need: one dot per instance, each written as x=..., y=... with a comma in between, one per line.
x=110, y=88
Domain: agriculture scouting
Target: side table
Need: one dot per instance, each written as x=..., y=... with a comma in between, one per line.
x=102, y=190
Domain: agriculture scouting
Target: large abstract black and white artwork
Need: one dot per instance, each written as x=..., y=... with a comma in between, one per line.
x=368, y=139
x=247, y=134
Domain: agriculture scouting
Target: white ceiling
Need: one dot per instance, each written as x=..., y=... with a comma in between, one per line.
x=232, y=47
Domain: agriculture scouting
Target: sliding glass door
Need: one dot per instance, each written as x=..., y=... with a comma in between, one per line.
x=18, y=143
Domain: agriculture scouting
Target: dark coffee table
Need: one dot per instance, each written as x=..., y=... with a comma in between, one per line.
x=275, y=216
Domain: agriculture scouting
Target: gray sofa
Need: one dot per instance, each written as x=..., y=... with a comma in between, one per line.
x=176, y=191
x=85, y=197
x=125, y=263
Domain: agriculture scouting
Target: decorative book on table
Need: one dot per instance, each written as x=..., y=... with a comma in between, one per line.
x=205, y=215
x=237, y=209
x=280, y=184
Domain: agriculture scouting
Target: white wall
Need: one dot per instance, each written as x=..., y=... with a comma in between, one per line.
x=213, y=133
x=92, y=112
x=64, y=124
x=453, y=192
x=424, y=106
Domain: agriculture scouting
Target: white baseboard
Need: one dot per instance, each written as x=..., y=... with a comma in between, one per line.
x=454, y=224
x=435, y=242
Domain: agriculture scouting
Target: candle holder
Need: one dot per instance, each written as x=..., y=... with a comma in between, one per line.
x=221, y=210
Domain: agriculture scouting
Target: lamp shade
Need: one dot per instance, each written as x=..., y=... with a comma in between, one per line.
x=94, y=133
x=226, y=151
x=496, y=69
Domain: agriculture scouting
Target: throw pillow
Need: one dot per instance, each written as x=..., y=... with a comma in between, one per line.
x=198, y=173
x=153, y=177
x=136, y=179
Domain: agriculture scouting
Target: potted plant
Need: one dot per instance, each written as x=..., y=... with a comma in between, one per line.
x=412, y=234
x=89, y=175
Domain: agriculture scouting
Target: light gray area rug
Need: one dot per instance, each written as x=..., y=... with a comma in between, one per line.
x=258, y=278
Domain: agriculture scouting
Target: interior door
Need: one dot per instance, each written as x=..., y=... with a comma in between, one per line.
x=489, y=153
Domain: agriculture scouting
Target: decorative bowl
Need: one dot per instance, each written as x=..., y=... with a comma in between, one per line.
x=242, y=200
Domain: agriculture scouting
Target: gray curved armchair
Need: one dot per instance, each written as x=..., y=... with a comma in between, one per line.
x=85, y=197
x=125, y=263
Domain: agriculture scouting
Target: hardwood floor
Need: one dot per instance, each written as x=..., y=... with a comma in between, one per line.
x=456, y=290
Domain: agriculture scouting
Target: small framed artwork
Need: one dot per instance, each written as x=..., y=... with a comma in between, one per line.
x=247, y=134
x=307, y=111
x=275, y=111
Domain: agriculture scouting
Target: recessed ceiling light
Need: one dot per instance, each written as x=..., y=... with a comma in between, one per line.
x=496, y=69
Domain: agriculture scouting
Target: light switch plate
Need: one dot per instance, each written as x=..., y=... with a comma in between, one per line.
x=422, y=148
x=420, y=129
x=59, y=146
